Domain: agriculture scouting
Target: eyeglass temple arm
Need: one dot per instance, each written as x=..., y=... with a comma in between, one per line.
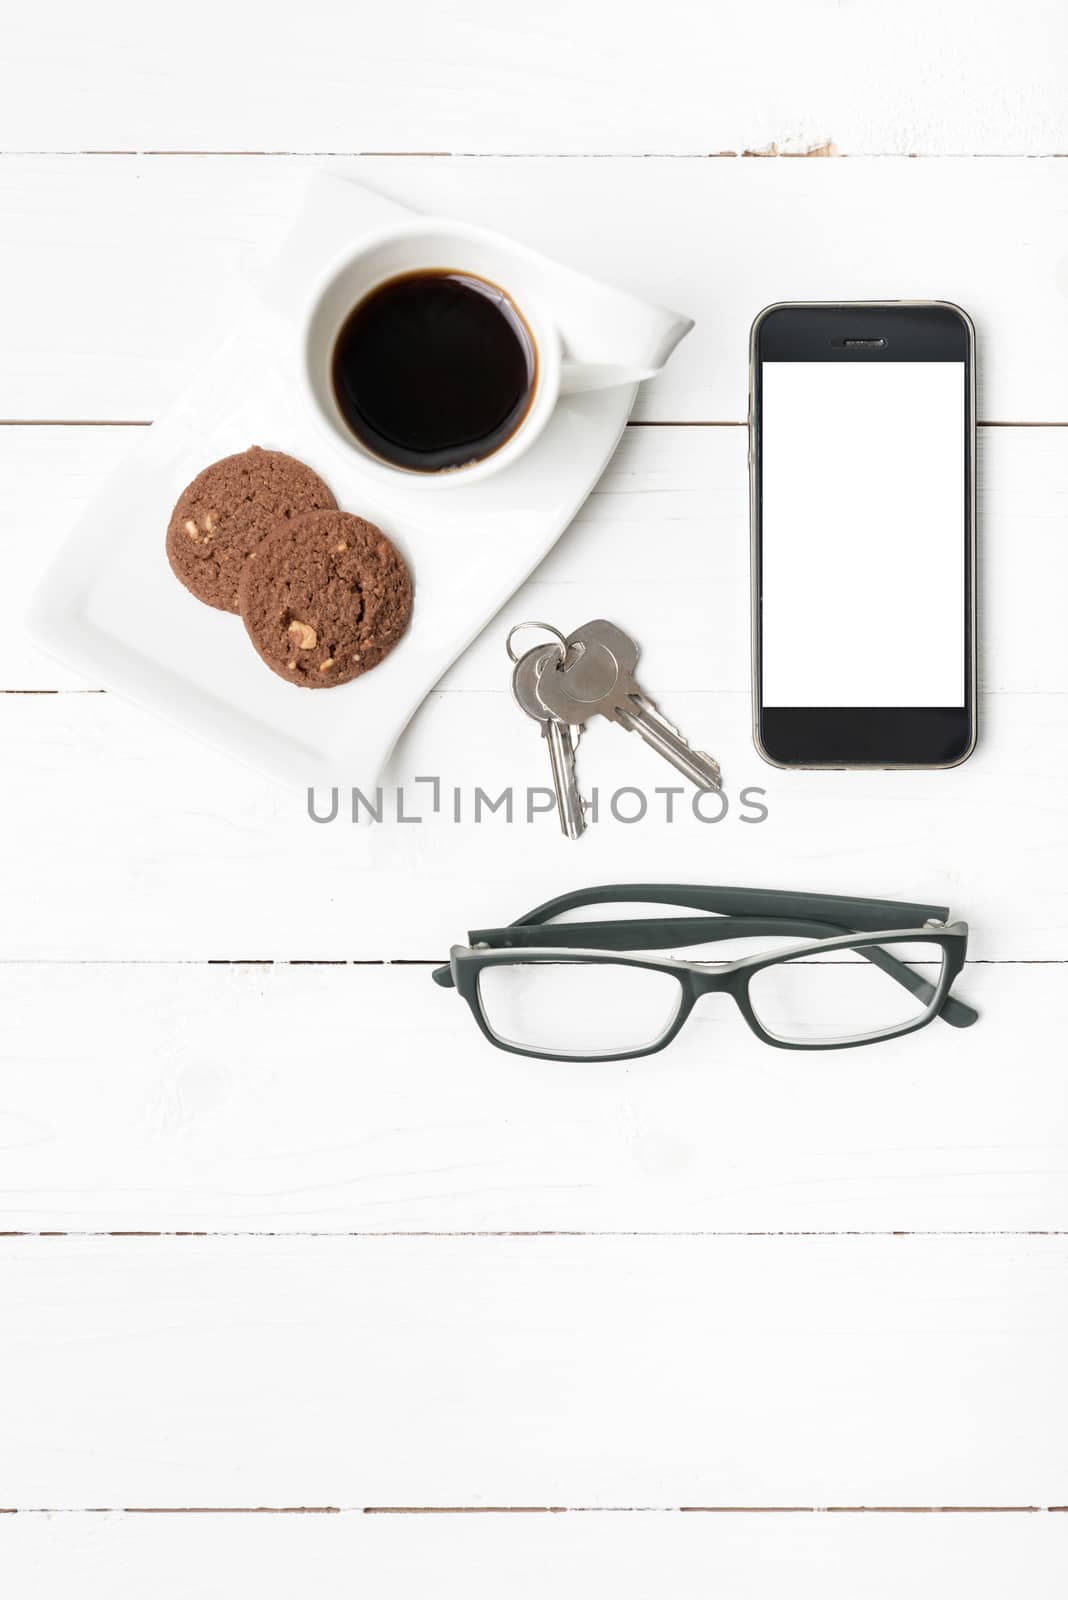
x=855, y=914
x=672, y=933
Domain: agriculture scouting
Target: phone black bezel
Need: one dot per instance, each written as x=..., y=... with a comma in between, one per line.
x=857, y=736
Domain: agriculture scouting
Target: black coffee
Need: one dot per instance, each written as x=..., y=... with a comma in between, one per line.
x=434, y=370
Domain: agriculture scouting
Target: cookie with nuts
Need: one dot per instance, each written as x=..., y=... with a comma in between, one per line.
x=225, y=512
x=325, y=597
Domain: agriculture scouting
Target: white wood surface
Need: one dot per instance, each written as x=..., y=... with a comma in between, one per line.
x=196, y=1557
x=161, y=248
x=672, y=501
x=561, y=76
x=655, y=1372
x=287, y=1098
x=425, y=1274
x=138, y=843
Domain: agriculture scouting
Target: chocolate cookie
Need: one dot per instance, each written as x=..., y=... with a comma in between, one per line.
x=228, y=509
x=324, y=597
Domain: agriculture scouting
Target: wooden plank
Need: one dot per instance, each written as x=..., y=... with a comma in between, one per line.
x=136, y=842
x=340, y=1098
x=133, y=844
x=662, y=544
x=47, y=477
x=627, y=1555
x=469, y=1371
x=126, y=270
x=555, y=77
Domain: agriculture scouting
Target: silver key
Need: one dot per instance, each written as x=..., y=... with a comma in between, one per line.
x=599, y=681
x=525, y=679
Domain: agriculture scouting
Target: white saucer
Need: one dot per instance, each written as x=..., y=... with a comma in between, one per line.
x=111, y=608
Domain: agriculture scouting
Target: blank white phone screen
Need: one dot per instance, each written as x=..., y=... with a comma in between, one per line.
x=863, y=533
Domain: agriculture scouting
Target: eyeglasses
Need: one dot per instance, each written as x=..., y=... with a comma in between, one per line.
x=859, y=971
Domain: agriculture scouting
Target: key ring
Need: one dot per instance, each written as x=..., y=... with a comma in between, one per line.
x=546, y=627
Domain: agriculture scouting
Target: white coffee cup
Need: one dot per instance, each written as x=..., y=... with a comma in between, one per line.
x=546, y=295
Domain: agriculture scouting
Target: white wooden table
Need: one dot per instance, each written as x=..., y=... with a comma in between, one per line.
x=280, y=1234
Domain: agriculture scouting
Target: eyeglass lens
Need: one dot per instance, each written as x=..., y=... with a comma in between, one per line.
x=821, y=998
x=578, y=1008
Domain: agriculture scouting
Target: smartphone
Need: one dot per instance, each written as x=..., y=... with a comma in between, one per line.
x=862, y=482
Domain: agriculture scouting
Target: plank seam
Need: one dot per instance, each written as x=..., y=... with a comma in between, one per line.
x=534, y=1233
x=632, y=422
x=365, y=961
x=519, y=1510
x=820, y=151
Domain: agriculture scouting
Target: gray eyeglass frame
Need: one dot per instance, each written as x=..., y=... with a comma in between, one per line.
x=835, y=922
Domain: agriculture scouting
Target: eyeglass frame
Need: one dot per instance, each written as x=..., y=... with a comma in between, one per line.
x=835, y=922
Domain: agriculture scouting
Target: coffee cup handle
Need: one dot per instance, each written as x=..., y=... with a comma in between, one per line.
x=579, y=377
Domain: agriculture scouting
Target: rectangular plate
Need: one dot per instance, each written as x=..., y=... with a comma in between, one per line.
x=111, y=608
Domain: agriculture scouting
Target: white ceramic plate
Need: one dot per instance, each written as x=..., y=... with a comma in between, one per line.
x=111, y=608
